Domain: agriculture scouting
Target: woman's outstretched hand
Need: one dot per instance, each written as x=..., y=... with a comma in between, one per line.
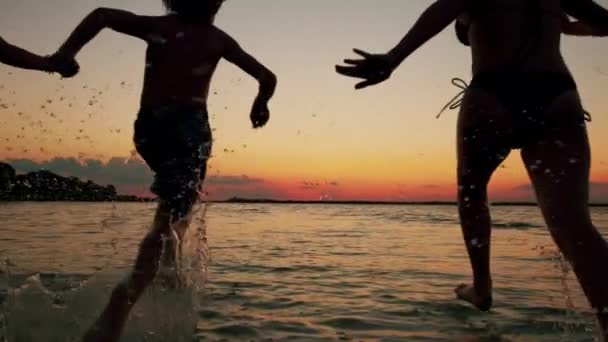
x=373, y=68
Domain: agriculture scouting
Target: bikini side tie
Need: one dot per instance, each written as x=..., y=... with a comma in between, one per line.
x=456, y=101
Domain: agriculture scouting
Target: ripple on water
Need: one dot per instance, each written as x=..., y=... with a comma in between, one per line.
x=289, y=327
x=353, y=323
x=515, y=225
x=233, y=330
x=273, y=304
x=251, y=268
x=210, y=314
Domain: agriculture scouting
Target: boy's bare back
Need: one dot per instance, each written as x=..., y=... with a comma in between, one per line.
x=181, y=59
x=181, y=56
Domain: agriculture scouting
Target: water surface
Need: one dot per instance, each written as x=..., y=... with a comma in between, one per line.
x=292, y=272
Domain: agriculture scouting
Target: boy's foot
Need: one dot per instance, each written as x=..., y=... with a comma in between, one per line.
x=169, y=257
x=169, y=277
x=468, y=294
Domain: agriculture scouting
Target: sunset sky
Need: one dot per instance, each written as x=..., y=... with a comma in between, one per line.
x=324, y=139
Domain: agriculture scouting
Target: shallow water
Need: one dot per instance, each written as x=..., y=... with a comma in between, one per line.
x=291, y=272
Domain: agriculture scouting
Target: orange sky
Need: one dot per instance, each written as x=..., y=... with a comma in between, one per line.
x=324, y=139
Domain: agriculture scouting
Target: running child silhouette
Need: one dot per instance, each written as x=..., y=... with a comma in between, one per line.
x=172, y=131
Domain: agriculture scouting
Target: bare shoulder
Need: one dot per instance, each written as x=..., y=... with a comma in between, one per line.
x=124, y=15
x=129, y=23
x=224, y=39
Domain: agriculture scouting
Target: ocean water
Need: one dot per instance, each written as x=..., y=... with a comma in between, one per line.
x=279, y=272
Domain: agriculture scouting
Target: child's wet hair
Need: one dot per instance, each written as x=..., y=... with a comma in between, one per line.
x=204, y=10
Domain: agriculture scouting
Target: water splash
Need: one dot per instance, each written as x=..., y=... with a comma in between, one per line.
x=5, y=304
x=62, y=311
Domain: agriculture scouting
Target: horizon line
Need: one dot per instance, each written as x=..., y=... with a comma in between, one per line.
x=237, y=200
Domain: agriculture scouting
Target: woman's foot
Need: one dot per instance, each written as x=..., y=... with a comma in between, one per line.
x=482, y=301
x=602, y=319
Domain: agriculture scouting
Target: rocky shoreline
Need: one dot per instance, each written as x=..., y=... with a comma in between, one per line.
x=44, y=185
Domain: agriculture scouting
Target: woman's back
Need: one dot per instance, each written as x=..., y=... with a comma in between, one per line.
x=519, y=34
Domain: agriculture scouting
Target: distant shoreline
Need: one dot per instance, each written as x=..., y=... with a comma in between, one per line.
x=429, y=203
x=46, y=186
x=126, y=199
x=270, y=201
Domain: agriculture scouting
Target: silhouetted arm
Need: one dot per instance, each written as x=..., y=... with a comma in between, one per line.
x=579, y=28
x=576, y=28
x=101, y=18
x=237, y=56
x=376, y=68
x=590, y=13
x=266, y=78
x=20, y=58
x=432, y=21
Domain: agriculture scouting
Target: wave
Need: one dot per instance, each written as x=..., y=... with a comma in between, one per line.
x=515, y=225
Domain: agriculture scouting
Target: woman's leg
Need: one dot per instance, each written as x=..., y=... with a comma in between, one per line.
x=559, y=169
x=480, y=152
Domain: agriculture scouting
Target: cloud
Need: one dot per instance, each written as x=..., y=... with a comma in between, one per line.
x=309, y=185
x=313, y=185
x=598, y=191
x=265, y=191
x=233, y=180
x=116, y=171
x=132, y=176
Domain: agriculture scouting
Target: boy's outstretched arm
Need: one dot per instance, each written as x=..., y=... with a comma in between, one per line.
x=117, y=20
x=376, y=68
x=589, y=13
x=266, y=78
x=15, y=56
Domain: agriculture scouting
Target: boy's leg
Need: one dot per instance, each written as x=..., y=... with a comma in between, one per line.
x=172, y=252
x=182, y=211
x=173, y=239
x=110, y=324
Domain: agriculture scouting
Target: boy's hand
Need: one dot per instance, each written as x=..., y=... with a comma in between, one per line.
x=259, y=114
x=373, y=68
x=66, y=66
